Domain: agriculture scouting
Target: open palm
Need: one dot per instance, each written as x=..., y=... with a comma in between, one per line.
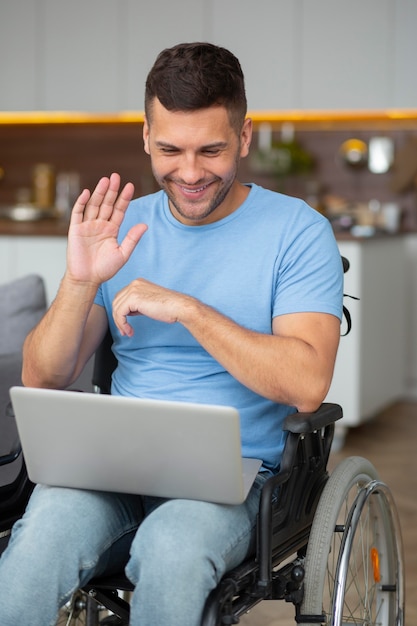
x=94, y=253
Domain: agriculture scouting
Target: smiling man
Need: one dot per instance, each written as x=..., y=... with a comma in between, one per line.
x=214, y=291
x=195, y=157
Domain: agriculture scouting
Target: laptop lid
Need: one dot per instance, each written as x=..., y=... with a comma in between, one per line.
x=132, y=445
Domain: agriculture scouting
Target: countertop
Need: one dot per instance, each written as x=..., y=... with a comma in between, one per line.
x=41, y=228
x=59, y=228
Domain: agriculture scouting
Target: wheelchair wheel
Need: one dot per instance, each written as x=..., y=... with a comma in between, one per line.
x=354, y=561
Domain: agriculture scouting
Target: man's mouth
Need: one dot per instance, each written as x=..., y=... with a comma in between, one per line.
x=193, y=190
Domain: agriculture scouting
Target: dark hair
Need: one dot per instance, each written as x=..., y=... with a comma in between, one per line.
x=192, y=76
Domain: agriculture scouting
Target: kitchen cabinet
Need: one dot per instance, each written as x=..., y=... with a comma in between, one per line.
x=357, y=54
x=370, y=370
x=94, y=56
x=19, y=77
x=346, y=54
x=268, y=52
x=45, y=256
x=152, y=26
x=326, y=54
x=88, y=56
x=411, y=310
x=82, y=55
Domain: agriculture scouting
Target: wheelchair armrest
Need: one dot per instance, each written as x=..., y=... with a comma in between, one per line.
x=301, y=423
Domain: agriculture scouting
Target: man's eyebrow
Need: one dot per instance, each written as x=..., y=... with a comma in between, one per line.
x=210, y=146
x=164, y=144
x=215, y=144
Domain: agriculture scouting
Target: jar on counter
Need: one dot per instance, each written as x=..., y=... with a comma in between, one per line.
x=67, y=190
x=43, y=186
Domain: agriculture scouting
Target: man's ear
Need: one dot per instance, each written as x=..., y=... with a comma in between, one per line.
x=245, y=137
x=146, y=136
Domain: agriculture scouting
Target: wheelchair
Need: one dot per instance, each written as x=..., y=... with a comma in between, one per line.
x=330, y=544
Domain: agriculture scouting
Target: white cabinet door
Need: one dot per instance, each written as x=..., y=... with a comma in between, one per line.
x=347, y=54
x=19, y=71
x=82, y=54
x=150, y=27
x=95, y=55
x=264, y=37
x=411, y=309
x=45, y=256
x=404, y=52
x=370, y=369
x=7, y=260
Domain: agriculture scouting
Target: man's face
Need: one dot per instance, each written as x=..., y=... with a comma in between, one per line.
x=195, y=157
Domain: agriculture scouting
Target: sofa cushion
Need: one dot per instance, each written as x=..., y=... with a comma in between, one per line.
x=22, y=304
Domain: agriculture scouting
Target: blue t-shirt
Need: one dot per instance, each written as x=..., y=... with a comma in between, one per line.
x=274, y=255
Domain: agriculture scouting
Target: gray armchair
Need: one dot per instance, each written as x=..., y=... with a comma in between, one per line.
x=22, y=304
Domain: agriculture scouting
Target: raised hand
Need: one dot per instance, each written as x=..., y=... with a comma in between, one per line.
x=94, y=254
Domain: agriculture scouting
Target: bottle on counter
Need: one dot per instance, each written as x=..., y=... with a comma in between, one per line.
x=43, y=186
x=67, y=191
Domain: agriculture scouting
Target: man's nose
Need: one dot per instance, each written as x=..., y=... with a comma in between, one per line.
x=191, y=171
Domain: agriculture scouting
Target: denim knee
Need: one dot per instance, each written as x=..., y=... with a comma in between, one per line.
x=179, y=554
x=57, y=546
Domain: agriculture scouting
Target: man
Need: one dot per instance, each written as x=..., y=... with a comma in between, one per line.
x=214, y=291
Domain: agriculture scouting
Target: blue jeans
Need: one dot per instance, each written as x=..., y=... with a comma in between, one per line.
x=173, y=551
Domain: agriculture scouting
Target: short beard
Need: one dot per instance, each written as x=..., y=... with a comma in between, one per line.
x=216, y=202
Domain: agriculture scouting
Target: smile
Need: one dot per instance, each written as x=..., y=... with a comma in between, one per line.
x=188, y=190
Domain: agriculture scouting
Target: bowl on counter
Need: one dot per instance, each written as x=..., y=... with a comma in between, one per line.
x=25, y=213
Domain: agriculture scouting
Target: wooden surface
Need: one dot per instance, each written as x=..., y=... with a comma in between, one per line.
x=39, y=228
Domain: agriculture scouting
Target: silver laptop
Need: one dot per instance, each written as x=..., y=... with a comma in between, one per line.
x=132, y=445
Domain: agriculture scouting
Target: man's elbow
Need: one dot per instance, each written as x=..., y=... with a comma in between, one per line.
x=31, y=378
x=313, y=398
x=308, y=407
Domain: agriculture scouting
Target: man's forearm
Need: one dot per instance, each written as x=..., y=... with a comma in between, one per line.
x=51, y=350
x=284, y=368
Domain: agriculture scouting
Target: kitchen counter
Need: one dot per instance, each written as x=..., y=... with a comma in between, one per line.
x=379, y=235
x=370, y=370
x=59, y=228
x=39, y=228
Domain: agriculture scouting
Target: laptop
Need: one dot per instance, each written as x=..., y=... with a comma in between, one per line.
x=133, y=445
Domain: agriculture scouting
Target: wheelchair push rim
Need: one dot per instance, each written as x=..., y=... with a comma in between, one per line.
x=354, y=562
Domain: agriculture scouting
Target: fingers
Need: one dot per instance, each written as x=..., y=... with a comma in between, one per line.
x=142, y=297
x=112, y=205
x=79, y=206
x=132, y=238
x=105, y=203
x=121, y=309
x=117, y=211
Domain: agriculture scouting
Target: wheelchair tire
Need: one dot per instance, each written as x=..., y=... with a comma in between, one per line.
x=354, y=563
